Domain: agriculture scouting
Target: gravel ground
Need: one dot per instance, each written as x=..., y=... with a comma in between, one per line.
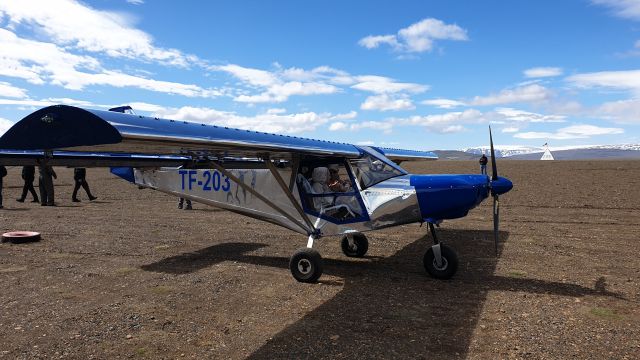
x=131, y=276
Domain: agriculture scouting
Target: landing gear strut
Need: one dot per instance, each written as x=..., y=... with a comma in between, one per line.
x=306, y=263
x=440, y=261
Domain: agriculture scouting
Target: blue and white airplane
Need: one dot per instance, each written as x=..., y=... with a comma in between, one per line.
x=317, y=188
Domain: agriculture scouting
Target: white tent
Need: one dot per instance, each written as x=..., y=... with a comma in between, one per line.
x=547, y=154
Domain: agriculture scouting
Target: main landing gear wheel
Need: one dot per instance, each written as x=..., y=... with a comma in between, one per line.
x=448, y=266
x=306, y=265
x=358, y=248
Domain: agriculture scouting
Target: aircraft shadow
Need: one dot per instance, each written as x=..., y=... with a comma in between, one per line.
x=388, y=307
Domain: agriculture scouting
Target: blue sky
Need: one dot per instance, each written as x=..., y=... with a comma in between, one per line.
x=411, y=74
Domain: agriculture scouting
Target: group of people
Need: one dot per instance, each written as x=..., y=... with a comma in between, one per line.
x=45, y=184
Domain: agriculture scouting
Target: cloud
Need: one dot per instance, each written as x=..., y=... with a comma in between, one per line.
x=418, y=37
x=49, y=102
x=385, y=85
x=623, y=80
x=71, y=23
x=384, y=126
x=515, y=115
x=277, y=86
x=267, y=122
x=629, y=9
x=510, y=129
x=571, y=132
x=251, y=76
x=338, y=126
x=135, y=2
x=11, y=91
x=39, y=63
x=623, y=111
x=443, y=103
x=441, y=123
x=385, y=102
x=539, y=72
x=5, y=125
x=528, y=93
x=373, y=41
x=445, y=123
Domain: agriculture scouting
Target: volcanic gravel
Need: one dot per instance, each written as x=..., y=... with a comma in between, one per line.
x=131, y=276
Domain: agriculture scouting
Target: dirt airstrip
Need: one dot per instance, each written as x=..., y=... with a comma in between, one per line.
x=131, y=276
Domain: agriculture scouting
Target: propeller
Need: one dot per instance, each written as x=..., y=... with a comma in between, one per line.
x=496, y=203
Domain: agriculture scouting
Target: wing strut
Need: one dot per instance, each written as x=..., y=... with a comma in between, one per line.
x=289, y=194
x=259, y=196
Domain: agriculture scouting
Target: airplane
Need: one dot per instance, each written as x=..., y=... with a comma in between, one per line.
x=314, y=187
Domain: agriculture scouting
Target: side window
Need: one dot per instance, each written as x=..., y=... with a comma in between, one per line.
x=370, y=170
x=327, y=191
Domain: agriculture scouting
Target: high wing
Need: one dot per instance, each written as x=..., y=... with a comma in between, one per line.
x=114, y=138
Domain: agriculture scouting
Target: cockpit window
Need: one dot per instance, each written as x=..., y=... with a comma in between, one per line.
x=328, y=191
x=370, y=170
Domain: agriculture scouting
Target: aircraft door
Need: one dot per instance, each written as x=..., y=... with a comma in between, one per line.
x=328, y=190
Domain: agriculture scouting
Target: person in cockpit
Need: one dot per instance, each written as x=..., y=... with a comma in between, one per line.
x=319, y=179
x=335, y=183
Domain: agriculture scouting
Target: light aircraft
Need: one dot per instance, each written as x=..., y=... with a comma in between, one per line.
x=314, y=187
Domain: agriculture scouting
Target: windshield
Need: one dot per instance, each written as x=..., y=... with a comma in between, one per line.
x=370, y=170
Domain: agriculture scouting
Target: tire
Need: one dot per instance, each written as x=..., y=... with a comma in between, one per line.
x=449, y=263
x=20, y=237
x=361, y=246
x=306, y=265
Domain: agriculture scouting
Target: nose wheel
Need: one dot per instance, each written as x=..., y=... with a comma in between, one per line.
x=355, y=245
x=440, y=261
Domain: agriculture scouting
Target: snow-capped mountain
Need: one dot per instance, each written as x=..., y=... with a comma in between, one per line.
x=513, y=150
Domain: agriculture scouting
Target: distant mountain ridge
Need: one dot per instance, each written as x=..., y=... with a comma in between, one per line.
x=516, y=152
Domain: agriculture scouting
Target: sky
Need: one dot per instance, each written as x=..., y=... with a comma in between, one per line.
x=421, y=75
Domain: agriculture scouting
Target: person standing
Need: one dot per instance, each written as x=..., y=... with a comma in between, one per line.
x=80, y=178
x=3, y=173
x=45, y=184
x=483, y=164
x=28, y=175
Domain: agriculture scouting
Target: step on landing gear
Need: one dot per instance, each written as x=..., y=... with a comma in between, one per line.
x=306, y=263
x=440, y=261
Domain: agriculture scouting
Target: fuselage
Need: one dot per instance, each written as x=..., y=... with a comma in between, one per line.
x=403, y=199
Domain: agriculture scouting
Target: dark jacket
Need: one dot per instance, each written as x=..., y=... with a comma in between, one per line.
x=28, y=172
x=47, y=171
x=79, y=173
x=483, y=160
x=3, y=171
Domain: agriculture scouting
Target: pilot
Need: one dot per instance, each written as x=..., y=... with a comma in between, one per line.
x=335, y=183
x=28, y=175
x=80, y=178
x=319, y=179
x=45, y=184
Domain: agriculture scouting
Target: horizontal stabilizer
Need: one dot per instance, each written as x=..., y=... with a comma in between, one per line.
x=399, y=155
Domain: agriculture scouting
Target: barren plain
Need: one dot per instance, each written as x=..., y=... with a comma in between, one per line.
x=131, y=276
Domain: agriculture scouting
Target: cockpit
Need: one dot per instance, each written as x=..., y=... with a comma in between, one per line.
x=330, y=187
